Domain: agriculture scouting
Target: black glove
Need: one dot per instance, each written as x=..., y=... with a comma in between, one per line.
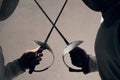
x=79, y=58
x=29, y=61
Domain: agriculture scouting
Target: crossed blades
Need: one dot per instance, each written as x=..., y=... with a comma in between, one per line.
x=69, y=47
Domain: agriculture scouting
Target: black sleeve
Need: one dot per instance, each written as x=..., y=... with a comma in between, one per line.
x=92, y=4
x=118, y=34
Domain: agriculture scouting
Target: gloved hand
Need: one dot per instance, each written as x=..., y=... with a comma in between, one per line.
x=29, y=61
x=80, y=58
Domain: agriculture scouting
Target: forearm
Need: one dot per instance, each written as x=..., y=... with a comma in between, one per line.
x=13, y=69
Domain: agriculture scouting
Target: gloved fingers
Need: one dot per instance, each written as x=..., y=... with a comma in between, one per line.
x=37, y=62
x=40, y=54
x=39, y=59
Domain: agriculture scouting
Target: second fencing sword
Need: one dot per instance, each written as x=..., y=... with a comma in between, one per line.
x=69, y=46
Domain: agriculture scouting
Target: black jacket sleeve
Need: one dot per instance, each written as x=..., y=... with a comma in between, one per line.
x=92, y=4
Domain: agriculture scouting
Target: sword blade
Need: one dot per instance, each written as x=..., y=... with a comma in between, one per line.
x=54, y=24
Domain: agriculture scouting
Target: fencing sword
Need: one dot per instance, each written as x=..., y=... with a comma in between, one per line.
x=69, y=47
x=44, y=45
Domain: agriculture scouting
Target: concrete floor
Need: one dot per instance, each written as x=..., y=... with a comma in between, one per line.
x=28, y=23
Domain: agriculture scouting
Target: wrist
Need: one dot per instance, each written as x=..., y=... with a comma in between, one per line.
x=21, y=65
x=85, y=66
